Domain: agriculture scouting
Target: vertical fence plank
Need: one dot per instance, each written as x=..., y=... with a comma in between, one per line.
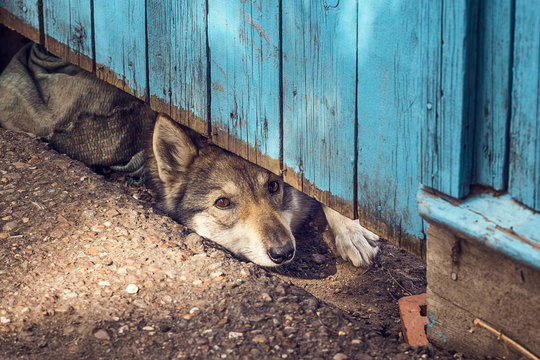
x=121, y=44
x=68, y=30
x=388, y=123
x=243, y=39
x=493, y=93
x=447, y=128
x=524, y=173
x=22, y=16
x=177, y=60
x=319, y=89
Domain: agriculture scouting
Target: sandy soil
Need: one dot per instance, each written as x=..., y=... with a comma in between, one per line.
x=89, y=270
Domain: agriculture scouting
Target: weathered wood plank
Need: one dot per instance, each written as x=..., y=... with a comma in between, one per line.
x=177, y=59
x=494, y=83
x=467, y=280
x=448, y=94
x=120, y=42
x=22, y=16
x=243, y=38
x=68, y=30
x=319, y=97
x=388, y=126
x=498, y=222
x=524, y=176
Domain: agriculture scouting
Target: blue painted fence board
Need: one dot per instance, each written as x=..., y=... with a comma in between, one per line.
x=388, y=123
x=495, y=31
x=319, y=82
x=177, y=60
x=524, y=177
x=243, y=38
x=68, y=29
x=447, y=127
x=356, y=101
x=121, y=44
x=22, y=15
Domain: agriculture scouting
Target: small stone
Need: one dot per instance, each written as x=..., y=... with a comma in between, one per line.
x=123, y=329
x=235, y=335
x=25, y=220
x=197, y=282
x=102, y=334
x=194, y=242
x=266, y=297
x=97, y=228
x=4, y=235
x=148, y=328
x=122, y=271
x=171, y=273
x=340, y=356
x=194, y=310
x=132, y=289
x=258, y=339
x=318, y=258
x=10, y=226
x=216, y=274
x=107, y=224
x=4, y=320
x=104, y=283
x=112, y=213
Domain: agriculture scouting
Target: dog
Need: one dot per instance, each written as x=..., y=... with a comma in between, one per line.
x=236, y=204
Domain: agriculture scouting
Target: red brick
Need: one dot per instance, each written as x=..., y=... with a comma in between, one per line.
x=412, y=321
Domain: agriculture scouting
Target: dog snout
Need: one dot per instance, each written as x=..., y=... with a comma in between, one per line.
x=280, y=254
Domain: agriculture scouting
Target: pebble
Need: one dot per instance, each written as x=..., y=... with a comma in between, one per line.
x=148, y=328
x=102, y=334
x=266, y=297
x=235, y=335
x=340, y=356
x=132, y=289
x=4, y=320
x=194, y=242
x=123, y=329
x=258, y=339
x=10, y=226
x=318, y=258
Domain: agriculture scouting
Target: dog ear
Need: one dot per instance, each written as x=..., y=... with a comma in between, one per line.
x=173, y=149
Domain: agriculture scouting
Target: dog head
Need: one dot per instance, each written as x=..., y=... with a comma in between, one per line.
x=222, y=197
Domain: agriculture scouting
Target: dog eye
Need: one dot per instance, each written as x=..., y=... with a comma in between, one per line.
x=273, y=187
x=222, y=203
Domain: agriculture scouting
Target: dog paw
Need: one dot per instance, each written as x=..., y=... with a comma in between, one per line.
x=354, y=243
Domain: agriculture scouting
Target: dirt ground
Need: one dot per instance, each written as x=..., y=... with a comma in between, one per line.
x=88, y=270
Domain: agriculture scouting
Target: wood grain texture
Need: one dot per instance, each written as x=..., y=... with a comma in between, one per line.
x=21, y=16
x=319, y=96
x=448, y=94
x=466, y=281
x=494, y=81
x=68, y=30
x=243, y=38
x=177, y=61
x=388, y=126
x=121, y=44
x=524, y=176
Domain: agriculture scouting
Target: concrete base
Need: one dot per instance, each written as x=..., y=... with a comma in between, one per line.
x=468, y=280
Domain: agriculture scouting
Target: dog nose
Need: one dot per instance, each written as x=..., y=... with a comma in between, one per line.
x=279, y=254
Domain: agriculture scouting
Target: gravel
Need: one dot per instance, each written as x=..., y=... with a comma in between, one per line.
x=89, y=272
